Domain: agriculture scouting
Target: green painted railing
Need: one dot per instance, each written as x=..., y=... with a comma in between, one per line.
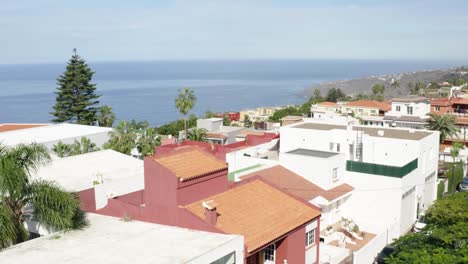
x=231, y=175
x=384, y=170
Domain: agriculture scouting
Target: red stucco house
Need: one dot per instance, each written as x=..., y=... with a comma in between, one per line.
x=188, y=187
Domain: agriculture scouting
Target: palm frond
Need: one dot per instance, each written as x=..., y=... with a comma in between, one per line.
x=52, y=205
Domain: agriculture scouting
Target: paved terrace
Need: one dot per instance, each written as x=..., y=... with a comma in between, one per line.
x=394, y=133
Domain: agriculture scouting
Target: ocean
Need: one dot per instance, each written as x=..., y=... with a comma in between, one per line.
x=146, y=90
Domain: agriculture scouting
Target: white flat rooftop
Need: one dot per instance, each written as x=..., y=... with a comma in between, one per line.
x=77, y=173
x=112, y=240
x=49, y=133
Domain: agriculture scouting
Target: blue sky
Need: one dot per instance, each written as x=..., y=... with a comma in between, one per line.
x=34, y=31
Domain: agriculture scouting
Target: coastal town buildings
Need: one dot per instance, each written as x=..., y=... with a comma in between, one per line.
x=50, y=134
x=457, y=107
x=218, y=133
x=124, y=240
x=381, y=179
x=258, y=114
x=188, y=187
x=409, y=112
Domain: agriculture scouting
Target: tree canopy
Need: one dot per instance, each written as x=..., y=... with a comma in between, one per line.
x=76, y=99
x=443, y=240
x=83, y=146
x=445, y=124
x=335, y=95
x=50, y=204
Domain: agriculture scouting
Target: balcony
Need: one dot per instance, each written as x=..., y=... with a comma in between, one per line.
x=383, y=170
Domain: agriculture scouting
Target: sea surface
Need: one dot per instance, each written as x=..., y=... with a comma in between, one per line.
x=146, y=90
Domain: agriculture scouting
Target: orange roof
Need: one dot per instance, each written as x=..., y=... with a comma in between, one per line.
x=298, y=185
x=329, y=104
x=384, y=106
x=462, y=101
x=215, y=135
x=11, y=127
x=190, y=162
x=441, y=102
x=258, y=211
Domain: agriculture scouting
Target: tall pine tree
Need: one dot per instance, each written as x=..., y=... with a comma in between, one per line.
x=76, y=98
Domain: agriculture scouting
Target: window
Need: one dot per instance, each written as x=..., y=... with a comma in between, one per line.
x=409, y=110
x=335, y=174
x=269, y=254
x=398, y=108
x=331, y=146
x=310, y=237
x=337, y=147
x=437, y=108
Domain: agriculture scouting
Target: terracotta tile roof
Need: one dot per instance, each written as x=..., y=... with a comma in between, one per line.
x=327, y=104
x=462, y=101
x=258, y=211
x=298, y=185
x=384, y=106
x=11, y=127
x=441, y=102
x=215, y=135
x=190, y=162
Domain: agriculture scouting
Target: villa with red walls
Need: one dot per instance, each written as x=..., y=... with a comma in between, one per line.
x=187, y=186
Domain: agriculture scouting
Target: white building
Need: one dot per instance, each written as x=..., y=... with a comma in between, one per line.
x=109, y=172
x=409, y=112
x=49, y=135
x=113, y=240
x=95, y=177
x=217, y=132
x=392, y=170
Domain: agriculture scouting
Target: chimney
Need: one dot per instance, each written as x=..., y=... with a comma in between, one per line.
x=211, y=216
x=380, y=133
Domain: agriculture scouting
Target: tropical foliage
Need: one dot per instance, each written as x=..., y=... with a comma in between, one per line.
x=443, y=240
x=22, y=197
x=105, y=116
x=76, y=148
x=445, y=124
x=122, y=139
x=128, y=136
x=148, y=140
x=378, y=91
x=185, y=101
x=197, y=134
x=173, y=128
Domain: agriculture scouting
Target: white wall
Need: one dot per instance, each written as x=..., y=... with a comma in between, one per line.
x=420, y=109
x=211, y=256
x=315, y=169
x=375, y=199
x=311, y=253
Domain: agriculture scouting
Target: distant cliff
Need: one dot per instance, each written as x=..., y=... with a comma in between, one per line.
x=364, y=85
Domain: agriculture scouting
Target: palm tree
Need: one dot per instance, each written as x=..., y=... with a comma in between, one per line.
x=445, y=124
x=122, y=138
x=105, y=116
x=62, y=150
x=185, y=101
x=148, y=140
x=197, y=134
x=22, y=197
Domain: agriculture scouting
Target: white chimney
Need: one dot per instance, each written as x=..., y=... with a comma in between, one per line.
x=380, y=133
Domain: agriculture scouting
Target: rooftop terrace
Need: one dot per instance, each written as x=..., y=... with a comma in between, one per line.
x=112, y=240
